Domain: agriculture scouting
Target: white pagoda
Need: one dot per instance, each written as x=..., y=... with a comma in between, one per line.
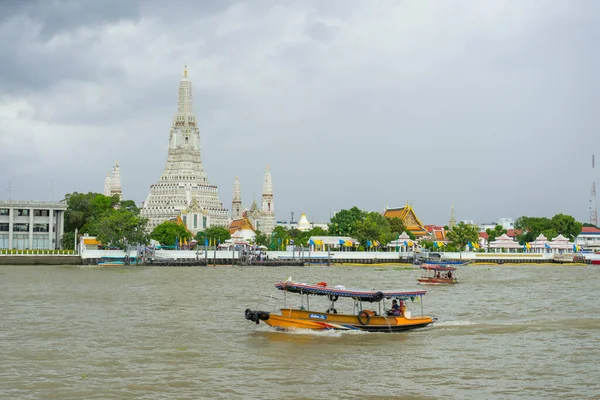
x=184, y=180
x=112, y=183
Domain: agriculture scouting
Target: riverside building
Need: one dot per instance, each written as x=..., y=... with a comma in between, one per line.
x=31, y=225
x=183, y=188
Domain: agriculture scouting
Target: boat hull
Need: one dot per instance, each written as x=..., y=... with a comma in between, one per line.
x=437, y=281
x=302, y=319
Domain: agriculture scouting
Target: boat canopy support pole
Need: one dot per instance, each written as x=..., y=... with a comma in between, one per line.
x=421, y=306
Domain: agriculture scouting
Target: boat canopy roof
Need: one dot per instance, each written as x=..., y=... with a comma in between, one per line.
x=321, y=289
x=437, y=267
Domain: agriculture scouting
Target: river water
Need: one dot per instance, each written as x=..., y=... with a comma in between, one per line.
x=525, y=332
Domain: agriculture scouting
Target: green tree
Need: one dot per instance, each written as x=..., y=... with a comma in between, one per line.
x=119, y=227
x=217, y=233
x=169, y=232
x=460, y=235
x=396, y=226
x=373, y=227
x=261, y=239
x=566, y=225
x=343, y=223
x=531, y=227
x=494, y=233
x=67, y=241
x=279, y=237
x=129, y=205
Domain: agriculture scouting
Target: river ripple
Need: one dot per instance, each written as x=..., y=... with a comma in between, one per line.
x=524, y=332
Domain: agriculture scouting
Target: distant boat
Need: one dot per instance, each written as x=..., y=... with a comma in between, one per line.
x=436, y=274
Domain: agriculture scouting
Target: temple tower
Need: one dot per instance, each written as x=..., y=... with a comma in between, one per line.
x=107, y=185
x=267, y=211
x=115, y=181
x=183, y=179
x=112, y=182
x=452, y=222
x=236, y=203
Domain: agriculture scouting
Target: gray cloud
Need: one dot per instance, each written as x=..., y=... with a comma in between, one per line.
x=486, y=106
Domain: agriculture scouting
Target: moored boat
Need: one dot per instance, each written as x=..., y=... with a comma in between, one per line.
x=437, y=274
x=372, y=310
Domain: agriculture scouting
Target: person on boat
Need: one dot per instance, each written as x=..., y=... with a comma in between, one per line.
x=395, y=309
x=449, y=274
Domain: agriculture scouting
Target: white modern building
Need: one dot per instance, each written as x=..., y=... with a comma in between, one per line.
x=589, y=238
x=30, y=225
x=184, y=180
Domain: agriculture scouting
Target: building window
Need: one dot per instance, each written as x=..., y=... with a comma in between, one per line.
x=41, y=227
x=4, y=211
x=203, y=222
x=4, y=241
x=185, y=220
x=24, y=212
x=195, y=221
x=20, y=227
x=4, y=227
x=41, y=213
x=40, y=242
x=21, y=242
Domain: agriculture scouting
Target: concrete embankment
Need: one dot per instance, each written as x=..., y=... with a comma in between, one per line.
x=35, y=259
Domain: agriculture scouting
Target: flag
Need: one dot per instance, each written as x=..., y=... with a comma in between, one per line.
x=575, y=248
x=287, y=241
x=441, y=244
x=410, y=243
x=311, y=242
x=376, y=243
x=528, y=245
x=406, y=244
x=341, y=242
x=546, y=245
x=435, y=244
x=470, y=245
x=524, y=247
x=176, y=241
x=185, y=242
x=206, y=242
x=180, y=242
x=369, y=244
x=476, y=244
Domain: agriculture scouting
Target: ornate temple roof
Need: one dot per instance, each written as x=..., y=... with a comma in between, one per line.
x=412, y=223
x=240, y=224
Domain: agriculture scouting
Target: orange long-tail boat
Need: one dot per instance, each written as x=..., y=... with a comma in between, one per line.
x=372, y=310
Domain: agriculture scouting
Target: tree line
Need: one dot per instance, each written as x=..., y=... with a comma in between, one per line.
x=118, y=222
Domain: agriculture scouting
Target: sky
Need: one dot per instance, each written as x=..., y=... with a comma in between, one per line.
x=488, y=106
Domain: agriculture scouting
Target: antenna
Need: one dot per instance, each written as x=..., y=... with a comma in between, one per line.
x=292, y=218
x=593, y=209
x=10, y=190
x=52, y=190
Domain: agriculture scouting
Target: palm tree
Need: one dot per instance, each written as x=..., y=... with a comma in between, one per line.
x=463, y=234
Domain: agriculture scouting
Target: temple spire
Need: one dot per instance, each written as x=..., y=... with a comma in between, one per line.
x=452, y=222
x=184, y=103
x=236, y=202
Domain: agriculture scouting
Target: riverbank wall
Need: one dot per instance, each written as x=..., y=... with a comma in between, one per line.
x=39, y=259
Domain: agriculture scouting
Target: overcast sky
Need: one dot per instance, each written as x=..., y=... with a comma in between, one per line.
x=491, y=106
